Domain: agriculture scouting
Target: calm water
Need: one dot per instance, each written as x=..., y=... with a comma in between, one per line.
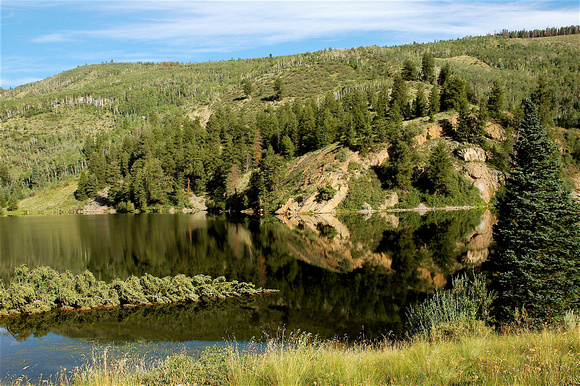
x=349, y=276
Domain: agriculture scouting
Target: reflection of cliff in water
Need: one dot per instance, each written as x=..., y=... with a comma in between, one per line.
x=335, y=275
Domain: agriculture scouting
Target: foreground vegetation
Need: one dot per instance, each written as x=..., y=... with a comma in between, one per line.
x=521, y=356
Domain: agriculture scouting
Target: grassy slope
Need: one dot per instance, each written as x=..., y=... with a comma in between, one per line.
x=47, y=136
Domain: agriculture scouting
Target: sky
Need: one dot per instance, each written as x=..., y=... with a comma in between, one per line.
x=42, y=38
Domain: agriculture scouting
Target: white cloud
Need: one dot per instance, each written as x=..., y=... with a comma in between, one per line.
x=223, y=26
x=54, y=38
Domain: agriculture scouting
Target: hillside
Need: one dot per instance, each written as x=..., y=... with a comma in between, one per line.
x=243, y=132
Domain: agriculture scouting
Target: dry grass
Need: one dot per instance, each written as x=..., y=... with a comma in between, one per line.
x=550, y=356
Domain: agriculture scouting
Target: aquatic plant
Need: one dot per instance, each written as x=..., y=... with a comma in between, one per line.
x=42, y=289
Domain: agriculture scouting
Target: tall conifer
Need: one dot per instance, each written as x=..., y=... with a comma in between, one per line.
x=536, y=262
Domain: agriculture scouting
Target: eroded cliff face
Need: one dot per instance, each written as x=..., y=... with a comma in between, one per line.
x=485, y=178
x=321, y=168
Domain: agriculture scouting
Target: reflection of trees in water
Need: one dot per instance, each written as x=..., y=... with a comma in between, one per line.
x=171, y=322
x=328, y=283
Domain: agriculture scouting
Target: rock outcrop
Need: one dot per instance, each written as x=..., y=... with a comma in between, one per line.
x=486, y=179
x=472, y=154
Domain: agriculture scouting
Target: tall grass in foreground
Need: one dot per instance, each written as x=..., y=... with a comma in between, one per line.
x=547, y=357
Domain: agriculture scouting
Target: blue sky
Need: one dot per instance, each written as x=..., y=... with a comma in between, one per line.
x=43, y=38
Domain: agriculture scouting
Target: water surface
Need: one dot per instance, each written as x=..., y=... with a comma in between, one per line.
x=350, y=276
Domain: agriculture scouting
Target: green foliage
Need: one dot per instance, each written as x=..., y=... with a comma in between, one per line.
x=444, y=74
x=536, y=262
x=45, y=124
x=12, y=203
x=420, y=105
x=366, y=188
x=400, y=165
x=342, y=155
x=428, y=67
x=325, y=193
x=453, y=94
x=440, y=170
x=42, y=289
x=434, y=102
x=456, y=313
x=543, y=98
x=279, y=88
x=81, y=192
x=247, y=87
x=495, y=102
x=409, y=70
x=4, y=174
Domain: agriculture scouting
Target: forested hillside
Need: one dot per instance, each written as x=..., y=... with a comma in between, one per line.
x=235, y=131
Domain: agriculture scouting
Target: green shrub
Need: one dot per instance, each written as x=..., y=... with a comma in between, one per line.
x=42, y=289
x=453, y=313
x=342, y=155
x=325, y=193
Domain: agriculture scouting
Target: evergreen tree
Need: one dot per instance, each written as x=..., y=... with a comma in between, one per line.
x=279, y=88
x=536, y=262
x=434, y=102
x=469, y=129
x=440, y=170
x=92, y=186
x=444, y=74
x=428, y=67
x=81, y=192
x=420, y=106
x=543, y=99
x=400, y=165
x=409, y=71
x=287, y=147
x=495, y=102
x=453, y=94
x=247, y=88
x=399, y=96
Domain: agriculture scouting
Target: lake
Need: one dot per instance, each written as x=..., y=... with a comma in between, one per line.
x=349, y=277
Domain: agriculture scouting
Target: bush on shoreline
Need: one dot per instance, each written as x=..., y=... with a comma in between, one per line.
x=43, y=289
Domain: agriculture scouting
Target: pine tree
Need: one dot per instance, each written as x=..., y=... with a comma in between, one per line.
x=444, y=74
x=409, y=71
x=4, y=174
x=428, y=67
x=81, y=193
x=544, y=100
x=495, y=102
x=400, y=165
x=440, y=170
x=434, y=102
x=536, y=262
x=279, y=88
x=399, y=96
x=247, y=88
x=420, y=106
